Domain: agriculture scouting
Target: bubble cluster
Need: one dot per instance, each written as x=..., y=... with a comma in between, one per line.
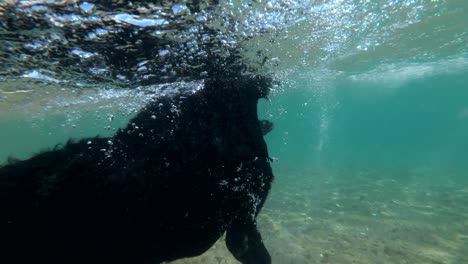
x=51, y=46
x=150, y=42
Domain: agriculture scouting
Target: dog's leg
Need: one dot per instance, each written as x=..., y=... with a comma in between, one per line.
x=245, y=243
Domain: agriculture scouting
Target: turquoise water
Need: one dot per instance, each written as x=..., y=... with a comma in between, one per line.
x=371, y=125
x=371, y=128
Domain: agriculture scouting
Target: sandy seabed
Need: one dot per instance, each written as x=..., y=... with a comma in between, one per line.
x=366, y=218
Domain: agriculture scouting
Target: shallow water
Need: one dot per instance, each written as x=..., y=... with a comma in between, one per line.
x=371, y=126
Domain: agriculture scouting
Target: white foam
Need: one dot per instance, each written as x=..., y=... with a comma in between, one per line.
x=397, y=74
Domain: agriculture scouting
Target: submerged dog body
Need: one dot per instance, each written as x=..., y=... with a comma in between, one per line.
x=186, y=169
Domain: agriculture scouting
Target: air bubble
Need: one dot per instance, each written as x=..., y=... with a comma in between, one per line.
x=179, y=9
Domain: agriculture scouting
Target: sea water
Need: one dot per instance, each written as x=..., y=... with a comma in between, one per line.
x=370, y=144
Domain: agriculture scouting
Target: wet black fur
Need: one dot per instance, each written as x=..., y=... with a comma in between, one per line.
x=186, y=169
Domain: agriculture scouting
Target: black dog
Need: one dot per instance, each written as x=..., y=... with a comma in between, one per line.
x=186, y=169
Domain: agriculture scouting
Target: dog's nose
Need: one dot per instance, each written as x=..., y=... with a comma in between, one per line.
x=266, y=126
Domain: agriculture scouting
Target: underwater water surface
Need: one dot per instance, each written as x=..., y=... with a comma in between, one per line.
x=370, y=108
